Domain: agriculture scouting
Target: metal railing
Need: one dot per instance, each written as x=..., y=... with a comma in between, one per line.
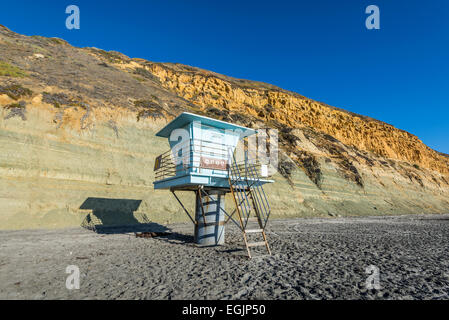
x=168, y=165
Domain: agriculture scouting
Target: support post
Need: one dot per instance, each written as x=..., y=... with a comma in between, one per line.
x=209, y=226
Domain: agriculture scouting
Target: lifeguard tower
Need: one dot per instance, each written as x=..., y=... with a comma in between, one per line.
x=202, y=158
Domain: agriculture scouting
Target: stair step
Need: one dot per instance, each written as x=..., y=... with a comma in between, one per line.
x=256, y=244
x=261, y=256
x=253, y=230
x=252, y=219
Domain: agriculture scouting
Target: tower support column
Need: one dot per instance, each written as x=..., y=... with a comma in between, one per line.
x=213, y=232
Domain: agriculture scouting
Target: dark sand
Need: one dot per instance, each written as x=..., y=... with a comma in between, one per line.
x=312, y=259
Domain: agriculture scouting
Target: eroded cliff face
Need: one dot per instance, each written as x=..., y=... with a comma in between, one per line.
x=292, y=110
x=77, y=144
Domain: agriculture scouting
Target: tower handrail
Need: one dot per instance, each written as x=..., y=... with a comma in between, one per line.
x=243, y=199
x=259, y=198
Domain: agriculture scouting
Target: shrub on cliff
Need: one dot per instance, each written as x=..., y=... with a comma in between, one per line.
x=56, y=99
x=16, y=109
x=15, y=91
x=148, y=108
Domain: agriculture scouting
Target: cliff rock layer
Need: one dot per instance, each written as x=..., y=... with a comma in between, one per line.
x=77, y=141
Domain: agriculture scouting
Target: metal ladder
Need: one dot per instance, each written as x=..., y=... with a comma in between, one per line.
x=249, y=198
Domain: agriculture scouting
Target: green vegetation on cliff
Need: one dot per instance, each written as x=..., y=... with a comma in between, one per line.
x=7, y=70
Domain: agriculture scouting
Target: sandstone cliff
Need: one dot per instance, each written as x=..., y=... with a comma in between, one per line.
x=79, y=124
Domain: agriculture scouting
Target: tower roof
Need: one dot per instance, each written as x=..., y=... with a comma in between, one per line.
x=187, y=117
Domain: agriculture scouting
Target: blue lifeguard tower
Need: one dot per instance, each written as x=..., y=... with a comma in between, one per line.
x=203, y=159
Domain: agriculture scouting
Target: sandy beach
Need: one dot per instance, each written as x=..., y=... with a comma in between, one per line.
x=312, y=259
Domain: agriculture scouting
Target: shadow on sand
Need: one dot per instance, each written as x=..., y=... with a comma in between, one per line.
x=116, y=216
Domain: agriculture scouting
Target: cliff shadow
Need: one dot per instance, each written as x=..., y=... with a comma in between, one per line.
x=110, y=216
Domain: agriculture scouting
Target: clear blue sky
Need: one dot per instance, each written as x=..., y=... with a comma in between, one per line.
x=320, y=49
